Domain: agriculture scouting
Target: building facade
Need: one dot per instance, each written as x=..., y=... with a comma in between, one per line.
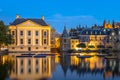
x=30, y=34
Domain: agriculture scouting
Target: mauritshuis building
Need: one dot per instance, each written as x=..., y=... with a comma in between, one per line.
x=30, y=34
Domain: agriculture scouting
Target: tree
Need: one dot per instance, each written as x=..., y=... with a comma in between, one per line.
x=81, y=45
x=5, y=36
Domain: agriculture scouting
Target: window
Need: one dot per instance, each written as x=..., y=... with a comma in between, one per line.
x=36, y=62
x=29, y=41
x=29, y=62
x=36, y=33
x=13, y=47
x=21, y=70
x=29, y=70
x=21, y=41
x=37, y=70
x=36, y=47
x=21, y=33
x=36, y=41
x=113, y=33
x=13, y=32
x=29, y=33
x=64, y=40
x=21, y=62
x=45, y=33
x=45, y=41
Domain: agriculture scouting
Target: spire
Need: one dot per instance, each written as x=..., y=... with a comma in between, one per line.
x=113, y=24
x=104, y=23
x=109, y=22
x=65, y=33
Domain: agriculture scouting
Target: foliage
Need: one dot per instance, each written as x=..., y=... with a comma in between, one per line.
x=81, y=45
x=91, y=46
x=5, y=36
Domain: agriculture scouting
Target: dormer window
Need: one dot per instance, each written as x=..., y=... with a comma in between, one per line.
x=119, y=32
x=86, y=32
x=113, y=33
x=100, y=33
x=91, y=32
x=95, y=32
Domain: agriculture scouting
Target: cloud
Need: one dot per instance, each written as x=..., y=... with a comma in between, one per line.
x=58, y=21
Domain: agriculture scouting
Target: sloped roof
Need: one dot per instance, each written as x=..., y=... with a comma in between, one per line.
x=21, y=20
x=93, y=32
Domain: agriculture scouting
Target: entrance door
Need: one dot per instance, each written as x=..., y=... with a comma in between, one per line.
x=29, y=48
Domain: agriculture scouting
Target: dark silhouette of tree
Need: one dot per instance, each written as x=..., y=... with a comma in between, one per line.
x=5, y=36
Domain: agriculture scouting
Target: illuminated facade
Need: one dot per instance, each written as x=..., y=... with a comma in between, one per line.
x=73, y=43
x=30, y=35
x=55, y=42
x=105, y=25
x=92, y=38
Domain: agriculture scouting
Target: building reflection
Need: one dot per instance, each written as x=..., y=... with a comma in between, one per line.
x=112, y=68
x=30, y=68
x=95, y=65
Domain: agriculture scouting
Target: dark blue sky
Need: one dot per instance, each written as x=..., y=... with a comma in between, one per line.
x=62, y=12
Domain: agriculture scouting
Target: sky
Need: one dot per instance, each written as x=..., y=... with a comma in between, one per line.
x=59, y=13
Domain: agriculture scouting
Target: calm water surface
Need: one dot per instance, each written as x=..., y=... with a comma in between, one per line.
x=58, y=68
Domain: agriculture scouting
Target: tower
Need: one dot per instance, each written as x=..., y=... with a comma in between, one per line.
x=104, y=24
x=65, y=40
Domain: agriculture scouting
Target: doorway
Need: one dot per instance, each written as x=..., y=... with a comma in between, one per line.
x=29, y=48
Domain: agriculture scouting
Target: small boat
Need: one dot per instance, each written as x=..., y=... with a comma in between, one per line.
x=39, y=56
x=28, y=54
x=24, y=56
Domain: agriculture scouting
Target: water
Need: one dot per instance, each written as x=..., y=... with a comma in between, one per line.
x=58, y=68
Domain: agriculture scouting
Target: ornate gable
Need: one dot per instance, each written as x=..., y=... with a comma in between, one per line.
x=28, y=23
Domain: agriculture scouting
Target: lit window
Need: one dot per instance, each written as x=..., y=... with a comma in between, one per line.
x=29, y=33
x=86, y=32
x=36, y=33
x=29, y=41
x=119, y=32
x=113, y=33
x=21, y=33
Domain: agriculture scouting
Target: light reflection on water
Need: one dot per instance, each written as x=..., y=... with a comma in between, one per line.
x=59, y=68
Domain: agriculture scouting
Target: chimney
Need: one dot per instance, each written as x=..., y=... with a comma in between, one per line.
x=17, y=16
x=43, y=18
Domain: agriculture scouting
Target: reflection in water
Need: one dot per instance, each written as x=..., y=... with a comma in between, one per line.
x=62, y=68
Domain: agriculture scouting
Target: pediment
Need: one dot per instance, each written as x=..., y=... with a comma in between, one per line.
x=28, y=23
